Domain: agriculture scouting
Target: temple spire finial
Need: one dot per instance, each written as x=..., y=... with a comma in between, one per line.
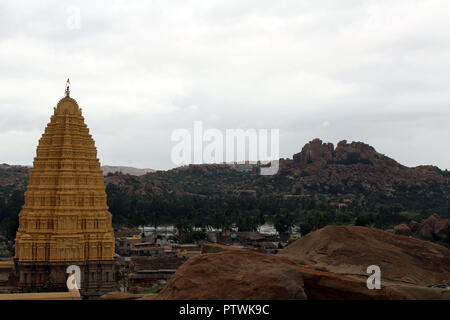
x=67, y=87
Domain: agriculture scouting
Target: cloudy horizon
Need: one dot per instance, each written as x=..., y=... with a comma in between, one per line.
x=370, y=71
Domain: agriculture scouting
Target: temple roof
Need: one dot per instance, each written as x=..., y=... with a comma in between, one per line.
x=67, y=105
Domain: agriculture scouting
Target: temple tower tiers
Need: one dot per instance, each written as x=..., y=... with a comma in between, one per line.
x=65, y=220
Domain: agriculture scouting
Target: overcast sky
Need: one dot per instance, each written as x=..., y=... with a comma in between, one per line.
x=371, y=71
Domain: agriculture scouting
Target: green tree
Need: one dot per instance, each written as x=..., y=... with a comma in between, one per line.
x=283, y=221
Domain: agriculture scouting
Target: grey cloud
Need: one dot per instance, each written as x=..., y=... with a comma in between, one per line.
x=375, y=71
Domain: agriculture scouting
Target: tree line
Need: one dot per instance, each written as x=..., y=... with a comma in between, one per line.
x=242, y=212
x=246, y=212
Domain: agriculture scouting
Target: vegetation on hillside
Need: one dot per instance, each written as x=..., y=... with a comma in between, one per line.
x=218, y=196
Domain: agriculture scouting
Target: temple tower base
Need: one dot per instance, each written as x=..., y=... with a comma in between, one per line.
x=97, y=277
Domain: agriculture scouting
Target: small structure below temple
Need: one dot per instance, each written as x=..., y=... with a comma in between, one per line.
x=146, y=272
x=7, y=283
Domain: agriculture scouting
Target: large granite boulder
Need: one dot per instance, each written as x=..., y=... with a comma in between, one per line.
x=433, y=228
x=236, y=274
x=349, y=250
x=402, y=229
x=327, y=264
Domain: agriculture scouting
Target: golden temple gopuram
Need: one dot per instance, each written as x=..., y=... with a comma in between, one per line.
x=65, y=219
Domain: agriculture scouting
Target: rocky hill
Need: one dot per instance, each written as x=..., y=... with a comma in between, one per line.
x=13, y=178
x=354, y=165
x=350, y=173
x=341, y=176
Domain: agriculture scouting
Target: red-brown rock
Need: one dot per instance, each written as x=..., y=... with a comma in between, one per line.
x=320, y=166
x=434, y=228
x=235, y=275
x=120, y=296
x=402, y=229
x=349, y=250
x=414, y=226
x=245, y=274
x=214, y=248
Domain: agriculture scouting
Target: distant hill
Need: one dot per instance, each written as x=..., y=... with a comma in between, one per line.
x=125, y=170
x=350, y=173
x=15, y=177
x=355, y=168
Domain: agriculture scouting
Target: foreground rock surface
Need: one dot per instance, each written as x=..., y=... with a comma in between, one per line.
x=235, y=274
x=349, y=250
x=214, y=248
x=328, y=264
x=121, y=296
x=247, y=275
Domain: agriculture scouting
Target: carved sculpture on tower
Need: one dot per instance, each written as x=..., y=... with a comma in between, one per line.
x=65, y=219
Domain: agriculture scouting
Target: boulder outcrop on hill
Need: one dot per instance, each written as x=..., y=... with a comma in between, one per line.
x=402, y=229
x=351, y=166
x=432, y=229
x=349, y=250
